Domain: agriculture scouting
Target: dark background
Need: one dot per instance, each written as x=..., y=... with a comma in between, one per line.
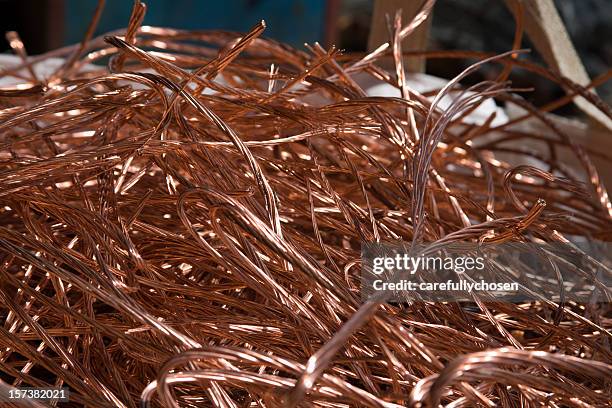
x=483, y=25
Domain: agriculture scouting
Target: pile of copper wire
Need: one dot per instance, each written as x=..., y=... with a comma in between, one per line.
x=182, y=214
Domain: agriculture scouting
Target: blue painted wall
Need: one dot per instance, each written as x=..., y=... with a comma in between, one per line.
x=291, y=21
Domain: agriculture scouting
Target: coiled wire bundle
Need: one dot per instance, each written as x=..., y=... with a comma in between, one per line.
x=182, y=214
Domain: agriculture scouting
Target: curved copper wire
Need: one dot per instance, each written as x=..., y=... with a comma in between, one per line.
x=179, y=228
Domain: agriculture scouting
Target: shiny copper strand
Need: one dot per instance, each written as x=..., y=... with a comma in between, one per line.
x=183, y=228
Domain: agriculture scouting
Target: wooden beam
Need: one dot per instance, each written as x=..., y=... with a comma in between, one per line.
x=418, y=40
x=548, y=34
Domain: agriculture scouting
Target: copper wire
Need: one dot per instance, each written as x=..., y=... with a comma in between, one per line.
x=182, y=214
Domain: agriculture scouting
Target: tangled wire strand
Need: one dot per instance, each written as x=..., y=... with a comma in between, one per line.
x=183, y=212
